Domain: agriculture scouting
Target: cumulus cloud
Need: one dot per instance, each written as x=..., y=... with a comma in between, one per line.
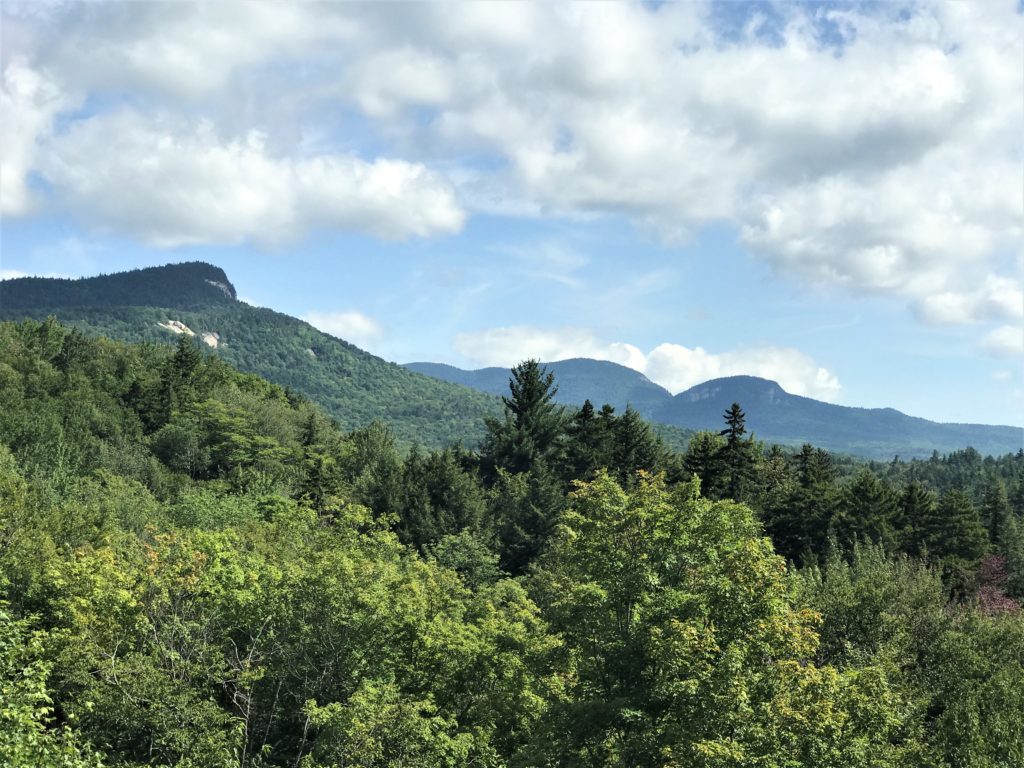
x=998, y=298
x=351, y=325
x=871, y=146
x=1005, y=341
x=171, y=183
x=28, y=103
x=673, y=366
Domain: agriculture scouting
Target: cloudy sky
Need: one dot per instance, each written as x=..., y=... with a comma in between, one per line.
x=829, y=195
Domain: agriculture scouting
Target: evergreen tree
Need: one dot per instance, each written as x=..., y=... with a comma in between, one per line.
x=917, y=507
x=529, y=443
x=738, y=455
x=955, y=537
x=995, y=507
x=800, y=528
x=704, y=459
x=867, y=509
x=533, y=427
x=589, y=442
x=636, y=447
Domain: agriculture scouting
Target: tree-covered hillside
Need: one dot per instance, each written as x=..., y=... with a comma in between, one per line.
x=354, y=386
x=199, y=568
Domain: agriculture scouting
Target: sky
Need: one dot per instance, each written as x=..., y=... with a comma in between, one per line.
x=827, y=195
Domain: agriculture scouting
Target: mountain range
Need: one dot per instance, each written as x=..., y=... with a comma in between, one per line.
x=436, y=404
x=773, y=414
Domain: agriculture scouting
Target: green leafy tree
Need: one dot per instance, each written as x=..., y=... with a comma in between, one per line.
x=671, y=671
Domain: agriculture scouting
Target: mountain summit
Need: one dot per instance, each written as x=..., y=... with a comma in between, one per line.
x=158, y=304
x=191, y=284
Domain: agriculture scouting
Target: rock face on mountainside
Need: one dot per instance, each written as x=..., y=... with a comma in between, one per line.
x=773, y=414
x=158, y=304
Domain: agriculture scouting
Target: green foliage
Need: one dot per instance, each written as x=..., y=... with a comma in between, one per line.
x=200, y=569
x=28, y=736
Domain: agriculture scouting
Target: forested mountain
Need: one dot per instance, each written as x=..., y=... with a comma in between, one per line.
x=774, y=415
x=199, y=569
x=158, y=303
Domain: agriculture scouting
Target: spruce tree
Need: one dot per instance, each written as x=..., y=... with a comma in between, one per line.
x=589, y=442
x=867, y=510
x=533, y=427
x=917, y=506
x=525, y=451
x=636, y=447
x=738, y=459
x=704, y=459
x=955, y=537
x=995, y=507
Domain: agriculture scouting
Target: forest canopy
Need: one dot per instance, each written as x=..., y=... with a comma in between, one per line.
x=200, y=568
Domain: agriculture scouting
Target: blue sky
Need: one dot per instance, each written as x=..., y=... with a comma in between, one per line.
x=827, y=195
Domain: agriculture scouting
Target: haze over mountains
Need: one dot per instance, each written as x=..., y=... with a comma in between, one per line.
x=435, y=404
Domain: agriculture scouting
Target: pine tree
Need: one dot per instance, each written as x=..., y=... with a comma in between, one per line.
x=800, y=528
x=589, y=442
x=917, y=507
x=636, y=447
x=523, y=453
x=533, y=427
x=867, y=510
x=738, y=459
x=995, y=507
x=704, y=459
x=955, y=536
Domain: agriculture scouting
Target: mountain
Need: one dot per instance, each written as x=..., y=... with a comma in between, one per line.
x=159, y=303
x=773, y=414
x=578, y=379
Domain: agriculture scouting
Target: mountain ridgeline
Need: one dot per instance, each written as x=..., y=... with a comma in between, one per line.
x=773, y=415
x=157, y=304
x=434, y=404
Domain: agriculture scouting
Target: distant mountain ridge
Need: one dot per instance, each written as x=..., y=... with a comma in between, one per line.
x=773, y=414
x=578, y=379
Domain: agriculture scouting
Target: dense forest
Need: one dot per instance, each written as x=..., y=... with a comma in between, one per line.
x=201, y=568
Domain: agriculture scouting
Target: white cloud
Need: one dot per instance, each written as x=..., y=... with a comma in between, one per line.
x=28, y=103
x=998, y=298
x=1005, y=341
x=170, y=183
x=676, y=368
x=882, y=156
x=673, y=366
x=352, y=326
